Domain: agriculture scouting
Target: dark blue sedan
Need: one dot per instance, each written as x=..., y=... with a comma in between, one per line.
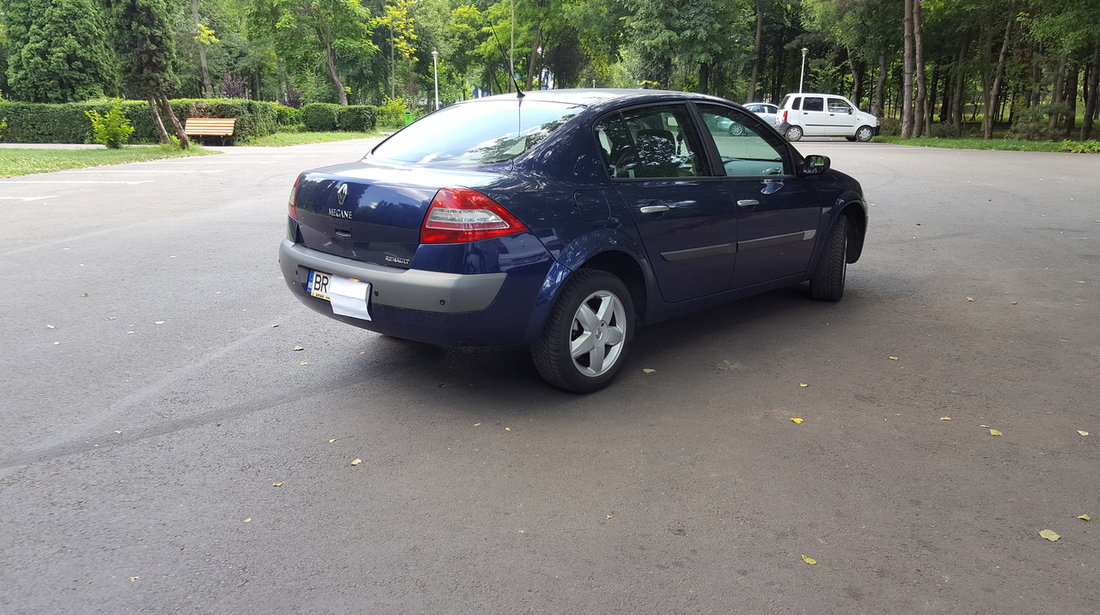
x=564, y=219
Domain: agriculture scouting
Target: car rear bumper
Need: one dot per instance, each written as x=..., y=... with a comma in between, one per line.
x=426, y=306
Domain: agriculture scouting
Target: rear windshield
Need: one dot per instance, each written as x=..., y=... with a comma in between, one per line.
x=480, y=132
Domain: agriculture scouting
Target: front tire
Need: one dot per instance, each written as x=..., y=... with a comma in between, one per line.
x=587, y=333
x=736, y=130
x=864, y=134
x=827, y=281
x=794, y=133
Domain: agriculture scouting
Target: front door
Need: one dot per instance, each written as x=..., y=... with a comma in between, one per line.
x=842, y=118
x=682, y=211
x=777, y=213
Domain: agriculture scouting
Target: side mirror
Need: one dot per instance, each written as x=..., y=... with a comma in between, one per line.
x=815, y=164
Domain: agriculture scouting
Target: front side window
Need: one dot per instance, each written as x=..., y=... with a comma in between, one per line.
x=481, y=132
x=750, y=149
x=650, y=142
x=837, y=105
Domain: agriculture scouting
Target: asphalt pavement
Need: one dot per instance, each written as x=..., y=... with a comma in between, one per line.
x=179, y=434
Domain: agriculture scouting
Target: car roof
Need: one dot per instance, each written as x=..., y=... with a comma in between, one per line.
x=597, y=97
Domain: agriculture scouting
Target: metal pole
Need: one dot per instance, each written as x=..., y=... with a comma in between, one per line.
x=802, y=77
x=435, y=69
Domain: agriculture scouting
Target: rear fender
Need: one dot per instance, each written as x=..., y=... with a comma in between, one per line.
x=580, y=251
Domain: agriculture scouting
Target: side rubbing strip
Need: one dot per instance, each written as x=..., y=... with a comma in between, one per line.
x=777, y=240
x=677, y=256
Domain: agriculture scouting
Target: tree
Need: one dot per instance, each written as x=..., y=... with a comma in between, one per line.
x=331, y=28
x=58, y=51
x=205, y=37
x=143, y=40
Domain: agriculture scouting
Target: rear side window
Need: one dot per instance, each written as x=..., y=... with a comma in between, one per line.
x=814, y=103
x=480, y=132
x=651, y=142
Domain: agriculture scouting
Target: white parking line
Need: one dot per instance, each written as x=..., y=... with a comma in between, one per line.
x=55, y=182
x=27, y=198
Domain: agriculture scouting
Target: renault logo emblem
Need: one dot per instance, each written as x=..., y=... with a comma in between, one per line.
x=342, y=194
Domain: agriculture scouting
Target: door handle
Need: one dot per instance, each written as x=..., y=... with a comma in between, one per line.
x=748, y=203
x=654, y=209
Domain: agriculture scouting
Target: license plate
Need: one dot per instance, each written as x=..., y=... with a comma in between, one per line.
x=318, y=284
x=348, y=296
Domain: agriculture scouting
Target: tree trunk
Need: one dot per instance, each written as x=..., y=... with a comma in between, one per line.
x=857, y=78
x=880, y=87
x=907, y=72
x=921, y=120
x=161, y=132
x=1093, y=99
x=998, y=75
x=207, y=87
x=533, y=62
x=704, y=77
x=1071, y=98
x=959, y=88
x=330, y=59
x=1058, y=91
x=165, y=107
x=757, y=52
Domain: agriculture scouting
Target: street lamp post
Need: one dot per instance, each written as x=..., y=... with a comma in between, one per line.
x=435, y=69
x=802, y=77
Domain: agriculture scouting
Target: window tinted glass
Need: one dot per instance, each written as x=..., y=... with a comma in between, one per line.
x=480, y=132
x=837, y=105
x=748, y=149
x=814, y=103
x=650, y=142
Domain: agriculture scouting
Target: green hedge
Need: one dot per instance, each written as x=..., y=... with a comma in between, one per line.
x=323, y=117
x=66, y=123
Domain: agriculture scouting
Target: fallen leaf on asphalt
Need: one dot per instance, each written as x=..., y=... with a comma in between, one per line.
x=945, y=418
x=895, y=358
x=303, y=362
x=50, y=327
x=507, y=429
x=298, y=349
x=83, y=294
x=57, y=343
x=970, y=298
x=648, y=371
x=1050, y=535
x=803, y=384
x=796, y=420
x=112, y=318
x=134, y=579
x=809, y=560
x=995, y=432
x=332, y=440
x=158, y=322
x=276, y=484
x=1084, y=517
x=1083, y=433
x=356, y=461
x=248, y=520
x=609, y=517
x=275, y=325
x=984, y=426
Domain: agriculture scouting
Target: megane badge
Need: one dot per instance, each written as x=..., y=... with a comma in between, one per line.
x=342, y=193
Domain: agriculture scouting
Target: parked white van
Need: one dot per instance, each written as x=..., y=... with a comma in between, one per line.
x=824, y=115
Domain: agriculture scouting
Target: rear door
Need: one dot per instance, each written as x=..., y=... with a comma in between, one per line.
x=777, y=211
x=812, y=116
x=681, y=209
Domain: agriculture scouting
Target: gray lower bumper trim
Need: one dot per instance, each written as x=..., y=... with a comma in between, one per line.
x=411, y=289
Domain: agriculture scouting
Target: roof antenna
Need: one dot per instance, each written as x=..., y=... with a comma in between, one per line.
x=519, y=92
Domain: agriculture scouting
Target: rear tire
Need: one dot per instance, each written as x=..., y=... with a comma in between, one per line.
x=827, y=281
x=736, y=130
x=587, y=333
x=864, y=134
x=794, y=133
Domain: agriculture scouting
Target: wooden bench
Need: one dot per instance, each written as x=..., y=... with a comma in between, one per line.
x=210, y=127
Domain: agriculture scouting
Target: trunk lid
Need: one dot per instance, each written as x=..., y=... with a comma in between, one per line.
x=372, y=212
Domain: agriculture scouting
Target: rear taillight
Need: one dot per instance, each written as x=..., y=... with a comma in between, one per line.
x=462, y=215
x=783, y=116
x=292, y=204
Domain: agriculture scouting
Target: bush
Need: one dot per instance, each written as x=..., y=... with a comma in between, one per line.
x=392, y=114
x=945, y=131
x=356, y=118
x=67, y=123
x=287, y=116
x=112, y=129
x=1091, y=146
x=1033, y=123
x=320, y=117
x=3, y=127
x=889, y=127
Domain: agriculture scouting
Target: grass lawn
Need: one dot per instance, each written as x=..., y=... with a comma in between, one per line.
x=23, y=161
x=281, y=139
x=1015, y=145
